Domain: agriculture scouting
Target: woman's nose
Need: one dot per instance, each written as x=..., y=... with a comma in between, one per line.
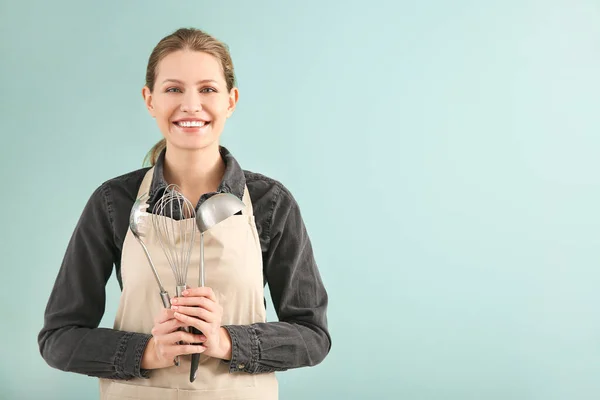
x=191, y=103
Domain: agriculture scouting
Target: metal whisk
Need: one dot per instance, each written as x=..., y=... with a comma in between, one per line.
x=174, y=221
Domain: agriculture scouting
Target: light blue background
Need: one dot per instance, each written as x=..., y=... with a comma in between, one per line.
x=444, y=155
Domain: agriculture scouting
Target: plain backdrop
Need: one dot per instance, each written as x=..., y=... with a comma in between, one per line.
x=444, y=155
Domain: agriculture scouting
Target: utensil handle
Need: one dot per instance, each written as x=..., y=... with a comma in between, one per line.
x=166, y=300
x=201, y=271
x=195, y=358
x=179, y=291
x=154, y=272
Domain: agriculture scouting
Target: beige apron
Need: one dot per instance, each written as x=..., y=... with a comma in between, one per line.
x=233, y=269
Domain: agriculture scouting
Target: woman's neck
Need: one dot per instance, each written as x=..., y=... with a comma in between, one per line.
x=195, y=172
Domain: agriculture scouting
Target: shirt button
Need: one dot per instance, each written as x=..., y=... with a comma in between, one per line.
x=241, y=366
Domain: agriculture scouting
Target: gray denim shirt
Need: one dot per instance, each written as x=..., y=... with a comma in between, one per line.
x=71, y=340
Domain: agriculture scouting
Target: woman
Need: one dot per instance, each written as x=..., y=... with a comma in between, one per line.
x=190, y=91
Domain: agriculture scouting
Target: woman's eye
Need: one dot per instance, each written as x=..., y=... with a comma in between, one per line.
x=173, y=90
x=207, y=90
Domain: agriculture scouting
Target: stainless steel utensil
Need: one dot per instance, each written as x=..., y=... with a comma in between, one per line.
x=136, y=220
x=174, y=219
x=211, y=212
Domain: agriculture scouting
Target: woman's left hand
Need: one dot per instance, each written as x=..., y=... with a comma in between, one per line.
x=199, y=308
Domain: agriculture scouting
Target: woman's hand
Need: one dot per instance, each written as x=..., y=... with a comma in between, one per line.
x=199, y=308
x=164, y=345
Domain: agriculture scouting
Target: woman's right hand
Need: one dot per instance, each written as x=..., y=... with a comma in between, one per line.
x=164, y=346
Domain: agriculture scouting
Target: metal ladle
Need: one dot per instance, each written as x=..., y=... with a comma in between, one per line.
x=211, y=212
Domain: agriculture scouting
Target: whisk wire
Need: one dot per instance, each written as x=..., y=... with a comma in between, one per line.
x=174, y=221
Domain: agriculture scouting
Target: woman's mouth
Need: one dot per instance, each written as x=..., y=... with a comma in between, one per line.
x=191, y=126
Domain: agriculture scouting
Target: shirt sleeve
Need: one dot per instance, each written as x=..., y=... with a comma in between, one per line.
x=300, y=337
x=70, y=339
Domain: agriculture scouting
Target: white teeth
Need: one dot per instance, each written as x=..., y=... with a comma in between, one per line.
x=189, y=124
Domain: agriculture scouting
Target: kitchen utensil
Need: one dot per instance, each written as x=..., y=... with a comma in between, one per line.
x=137, y=218
x=211, y=212
x=173, y=219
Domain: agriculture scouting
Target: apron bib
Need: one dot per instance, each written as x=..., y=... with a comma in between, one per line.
x=233, y=269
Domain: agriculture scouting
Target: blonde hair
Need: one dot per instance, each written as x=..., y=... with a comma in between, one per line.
x=186, y=39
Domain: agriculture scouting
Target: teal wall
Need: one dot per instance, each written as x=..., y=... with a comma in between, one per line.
x=444, y=155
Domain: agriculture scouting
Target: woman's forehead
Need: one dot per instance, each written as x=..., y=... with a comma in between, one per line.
x=190, y=67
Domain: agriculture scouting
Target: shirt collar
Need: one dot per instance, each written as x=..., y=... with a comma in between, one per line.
x=233, y=181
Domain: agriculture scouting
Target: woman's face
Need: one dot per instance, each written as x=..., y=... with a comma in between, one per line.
x=190, y=100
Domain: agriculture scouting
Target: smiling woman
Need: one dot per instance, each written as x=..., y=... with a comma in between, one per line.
x=190, y=91
x=190, y=97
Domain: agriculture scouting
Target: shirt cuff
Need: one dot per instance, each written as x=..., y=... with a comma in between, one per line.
x=245, y=351
x=128, y=359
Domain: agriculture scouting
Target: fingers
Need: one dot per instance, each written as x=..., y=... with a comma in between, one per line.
x=203, y=302
x=190, y=349
x=164, y=315
x=169, y=326
x=167, y=335
x=199, y=324
x=198, y=312
x=200, y=292
x=182, y=336
x=170, y=352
